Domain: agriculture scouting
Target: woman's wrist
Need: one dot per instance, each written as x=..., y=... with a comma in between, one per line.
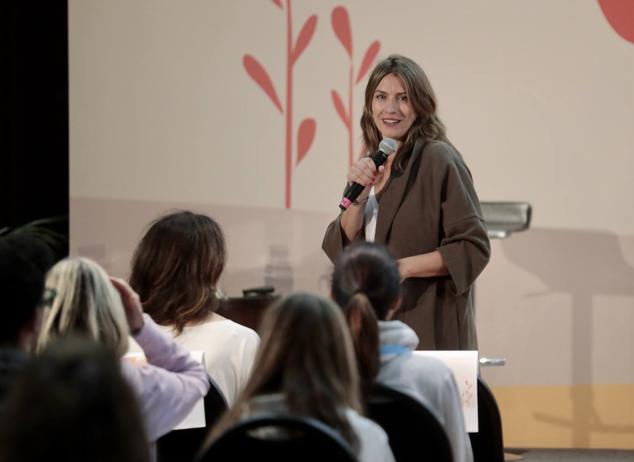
x=403, y=268
x=424, y=265
x=134, y=330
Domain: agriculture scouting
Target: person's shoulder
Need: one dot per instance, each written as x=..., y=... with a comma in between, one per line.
x=240, y=330
x=362, y=424
x=225, y=327
x=428, y=368
x=421, y=377
x=372, y=437
x=441, y=153
x=430, y=362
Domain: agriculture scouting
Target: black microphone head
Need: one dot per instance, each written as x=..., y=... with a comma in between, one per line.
x=387, y=146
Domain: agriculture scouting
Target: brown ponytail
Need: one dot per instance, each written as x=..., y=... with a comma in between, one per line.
x=364, y=331
x=366, y=285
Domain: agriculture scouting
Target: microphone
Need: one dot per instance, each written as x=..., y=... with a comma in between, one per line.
x=386, y=147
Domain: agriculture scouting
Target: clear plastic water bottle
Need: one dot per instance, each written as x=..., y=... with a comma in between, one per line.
x=278, y=271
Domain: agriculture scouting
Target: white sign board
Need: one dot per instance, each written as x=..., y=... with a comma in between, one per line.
x=464, y=365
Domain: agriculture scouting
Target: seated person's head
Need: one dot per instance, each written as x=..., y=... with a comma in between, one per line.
x=366, y=285
x=305, y=349
x=71, y=404
x=24, y=261
x=176, y=267
x=305, y=355
x=367, y=270
x=85, y=303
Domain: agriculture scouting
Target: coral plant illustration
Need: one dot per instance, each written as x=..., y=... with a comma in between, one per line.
x=341, y=26
x=620, y=15
x=467, y=394
x=307, y=127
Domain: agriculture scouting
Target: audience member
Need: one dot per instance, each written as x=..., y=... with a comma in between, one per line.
x=24, y=261
x=366, y=284
x=305, y=366
x=71, y=403
x=86, y=302
x=175, y=270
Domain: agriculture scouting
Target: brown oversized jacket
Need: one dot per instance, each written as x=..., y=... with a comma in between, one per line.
x=431, y=205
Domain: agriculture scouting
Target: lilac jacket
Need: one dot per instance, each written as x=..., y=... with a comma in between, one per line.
x=169, y=385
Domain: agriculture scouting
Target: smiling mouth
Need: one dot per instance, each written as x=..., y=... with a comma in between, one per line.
x=391, y=122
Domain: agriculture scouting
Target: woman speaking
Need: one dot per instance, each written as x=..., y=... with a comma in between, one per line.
x=421, y=204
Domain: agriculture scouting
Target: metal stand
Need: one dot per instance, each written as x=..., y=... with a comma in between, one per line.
x=503, y=219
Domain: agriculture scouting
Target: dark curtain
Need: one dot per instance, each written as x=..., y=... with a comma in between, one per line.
x=34, y=150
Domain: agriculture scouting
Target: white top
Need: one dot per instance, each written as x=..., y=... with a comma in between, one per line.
x=370, y=215
x=374, y=445
x=229, y=350
x=426, y=379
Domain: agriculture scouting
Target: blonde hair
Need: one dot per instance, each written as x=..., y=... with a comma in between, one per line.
x=85, y=303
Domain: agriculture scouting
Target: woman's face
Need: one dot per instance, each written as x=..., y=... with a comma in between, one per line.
x=392, y=110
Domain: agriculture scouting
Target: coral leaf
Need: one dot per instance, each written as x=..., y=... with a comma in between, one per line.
x=303, y=39
x=278, y=3
x=336, y=100
x=341, y=26
x=368, y=59
x=261, y=77
x=620, y=15
x=305, y=135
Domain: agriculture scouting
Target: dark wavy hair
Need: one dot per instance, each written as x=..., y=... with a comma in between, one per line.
x=426, y=127
x=366, y=285
x=176, y=267
x=24, y=260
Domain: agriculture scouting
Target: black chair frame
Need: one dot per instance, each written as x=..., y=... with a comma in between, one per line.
x=414, y=432
x=183, y=445
x=280, y=438
x=487, y=443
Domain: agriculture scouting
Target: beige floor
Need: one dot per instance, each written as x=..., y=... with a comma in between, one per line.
x=570, y=455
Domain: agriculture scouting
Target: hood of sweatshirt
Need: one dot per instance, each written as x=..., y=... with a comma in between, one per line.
x=395, y=338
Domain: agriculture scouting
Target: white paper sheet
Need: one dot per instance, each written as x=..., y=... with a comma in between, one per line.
x=464, y=365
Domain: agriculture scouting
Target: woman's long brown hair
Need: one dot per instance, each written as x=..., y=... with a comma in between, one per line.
x=176, y=267
x=306, y=355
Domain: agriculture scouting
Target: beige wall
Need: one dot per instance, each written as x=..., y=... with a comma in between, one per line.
x=538, y=96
